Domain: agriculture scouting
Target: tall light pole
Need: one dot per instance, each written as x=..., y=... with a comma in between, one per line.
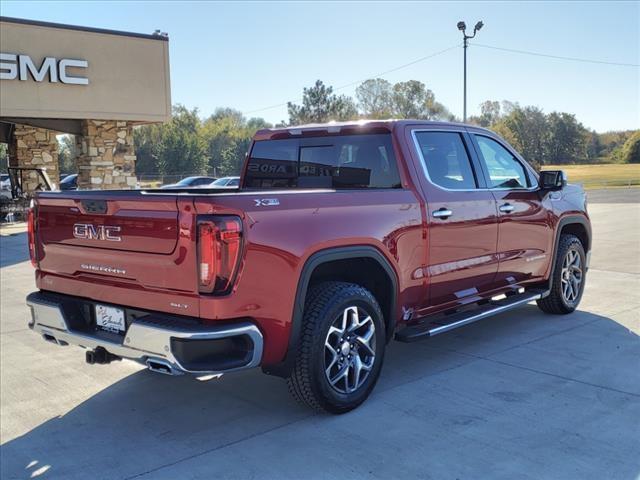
x=463, y=28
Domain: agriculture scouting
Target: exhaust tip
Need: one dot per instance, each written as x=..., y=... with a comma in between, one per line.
x=49, y=338
x=160, y=366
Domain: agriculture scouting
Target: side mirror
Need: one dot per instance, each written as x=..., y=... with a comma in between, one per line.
x=552, y=180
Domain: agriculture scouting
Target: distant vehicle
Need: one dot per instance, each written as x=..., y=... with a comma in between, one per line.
x=226, y=182
x=190, y=182
x=69, y=182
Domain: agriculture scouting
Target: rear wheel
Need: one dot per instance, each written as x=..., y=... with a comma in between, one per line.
x=568, y=277
x=341, y=350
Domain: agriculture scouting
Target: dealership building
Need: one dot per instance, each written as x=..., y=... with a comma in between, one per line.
x=92, y=83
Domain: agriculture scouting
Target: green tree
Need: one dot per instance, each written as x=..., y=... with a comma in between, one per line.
x=188, y=145
x=67, y=154
x=412, y=99
x=507, y=107
x=593, y=146
x=4, y=158
x=375, y=98
x=320, y=104
x=611, y=144
x=489, y=113
x=526, y=129
x=147, y=140
x=631, y=149
x=566, y=139
x=176, y=147
x=228, y=137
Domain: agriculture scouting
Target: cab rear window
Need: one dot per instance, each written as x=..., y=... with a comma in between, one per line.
x=337, y=162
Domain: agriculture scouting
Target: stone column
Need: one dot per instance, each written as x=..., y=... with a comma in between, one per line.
x=106, y=158
x=37, y=148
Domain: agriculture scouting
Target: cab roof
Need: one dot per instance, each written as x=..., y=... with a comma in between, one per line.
x=348, y=127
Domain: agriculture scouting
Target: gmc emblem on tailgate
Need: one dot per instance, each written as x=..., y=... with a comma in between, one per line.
x=86, y=231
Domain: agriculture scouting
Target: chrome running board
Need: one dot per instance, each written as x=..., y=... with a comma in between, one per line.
x=434, y=325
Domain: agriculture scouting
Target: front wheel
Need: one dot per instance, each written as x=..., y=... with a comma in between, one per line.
x=341, y=349
x=568, y=277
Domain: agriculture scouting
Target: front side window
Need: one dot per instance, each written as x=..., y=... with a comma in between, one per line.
x=505, y=171
x=446, y=160
x=337, y=162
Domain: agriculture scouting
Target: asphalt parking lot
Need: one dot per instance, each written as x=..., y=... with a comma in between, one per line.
x=522, y=395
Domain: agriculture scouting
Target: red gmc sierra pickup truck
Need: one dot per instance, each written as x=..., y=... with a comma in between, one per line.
x=340, y=238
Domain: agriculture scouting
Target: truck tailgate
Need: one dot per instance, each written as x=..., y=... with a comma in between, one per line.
x=133, y=226
x=146, y=242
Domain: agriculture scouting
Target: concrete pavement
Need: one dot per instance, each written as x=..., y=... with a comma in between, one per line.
x=522, y=395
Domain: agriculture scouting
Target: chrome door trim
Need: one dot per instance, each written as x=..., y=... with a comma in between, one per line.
x=477, y=189
x=424, y=164
x=532, y=174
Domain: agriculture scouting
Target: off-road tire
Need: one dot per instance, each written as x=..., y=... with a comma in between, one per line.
x=555, y=302
x=308, y=382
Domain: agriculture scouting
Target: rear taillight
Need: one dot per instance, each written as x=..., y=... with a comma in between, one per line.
x=31, y=235
x=219, y=245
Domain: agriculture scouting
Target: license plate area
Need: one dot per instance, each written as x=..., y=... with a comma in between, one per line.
x=110, y=319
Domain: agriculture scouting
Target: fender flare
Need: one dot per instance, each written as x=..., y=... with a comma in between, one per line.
x=564, y=221
x=283, y=369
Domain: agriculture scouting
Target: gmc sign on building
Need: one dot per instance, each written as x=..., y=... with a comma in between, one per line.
x=67, y=72
x=20, y=66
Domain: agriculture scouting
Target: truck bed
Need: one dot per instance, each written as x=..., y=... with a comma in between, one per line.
x=154, y=265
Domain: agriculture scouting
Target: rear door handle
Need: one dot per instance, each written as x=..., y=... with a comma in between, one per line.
x=507, y=208
x=443, y=213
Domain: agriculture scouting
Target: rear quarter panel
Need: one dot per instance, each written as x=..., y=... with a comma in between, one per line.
x=278, y=240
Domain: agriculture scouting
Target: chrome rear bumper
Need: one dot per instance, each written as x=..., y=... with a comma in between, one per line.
x=149, y=343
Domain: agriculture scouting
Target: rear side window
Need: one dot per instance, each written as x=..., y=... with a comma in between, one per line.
x=338, y=162
x=446, y=160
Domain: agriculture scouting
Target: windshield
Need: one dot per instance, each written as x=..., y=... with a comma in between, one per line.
x=339, y=162
x=220, y=182
x=68, y=179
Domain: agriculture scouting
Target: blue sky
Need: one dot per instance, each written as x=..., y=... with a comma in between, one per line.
x=254, y=55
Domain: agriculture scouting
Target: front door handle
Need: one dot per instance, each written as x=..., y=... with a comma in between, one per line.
x=442, y=213
x=507, y=208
